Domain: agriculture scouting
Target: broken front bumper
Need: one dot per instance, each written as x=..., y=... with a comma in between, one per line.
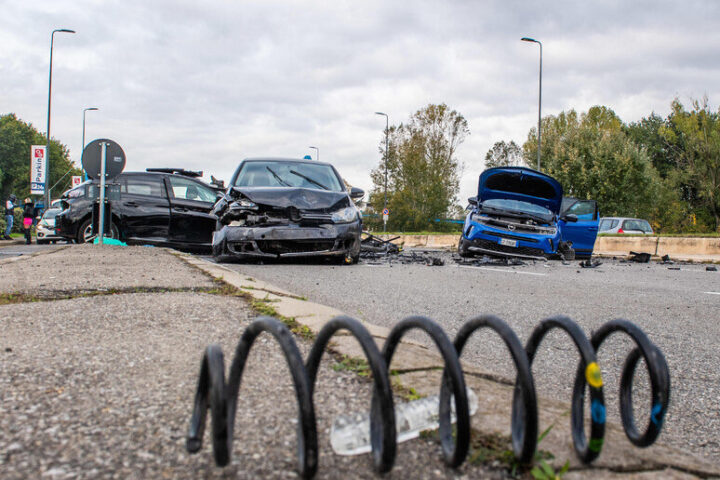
x=288, y=241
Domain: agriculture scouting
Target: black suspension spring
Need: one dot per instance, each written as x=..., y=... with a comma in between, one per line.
x=221, y=395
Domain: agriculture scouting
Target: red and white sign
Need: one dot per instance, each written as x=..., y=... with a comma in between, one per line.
x=37, y=169
x=76, y=180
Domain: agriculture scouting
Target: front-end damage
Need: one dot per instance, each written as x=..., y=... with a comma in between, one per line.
x=286, y=222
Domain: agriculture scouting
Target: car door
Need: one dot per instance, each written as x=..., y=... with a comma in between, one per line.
x=190, y=205
x=143, y=208
x=582, y=233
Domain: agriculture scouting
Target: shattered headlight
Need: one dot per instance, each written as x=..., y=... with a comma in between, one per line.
x=546, y=230
x=346, y=215
x=243, y=204
x=477, y=218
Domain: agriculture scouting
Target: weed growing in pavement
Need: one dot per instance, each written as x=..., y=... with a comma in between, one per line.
x=352, y=364
x=10, y=298
x=263, y=307
x=547, y=472
x=406, y=393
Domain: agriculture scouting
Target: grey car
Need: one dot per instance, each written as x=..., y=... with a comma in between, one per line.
x=625, y=225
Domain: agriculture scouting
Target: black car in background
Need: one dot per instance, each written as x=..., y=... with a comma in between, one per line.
x=280, y=208
x=169, y=207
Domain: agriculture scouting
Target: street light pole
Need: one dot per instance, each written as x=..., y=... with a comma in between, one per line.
x=527, y=39
x=317, y=153
x=82, y=146
x=47, y=149
x=387, y=132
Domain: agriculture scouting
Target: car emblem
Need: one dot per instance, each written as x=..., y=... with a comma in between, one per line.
x=511, y=227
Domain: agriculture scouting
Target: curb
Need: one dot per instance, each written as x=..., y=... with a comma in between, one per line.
x=420, y=367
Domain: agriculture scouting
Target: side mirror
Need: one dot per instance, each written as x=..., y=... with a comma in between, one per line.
x=473, y=201
x=570, y=218
x=356, y=193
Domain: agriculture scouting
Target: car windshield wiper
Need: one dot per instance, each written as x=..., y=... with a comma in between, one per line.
x=277, y=177
x=309, y=179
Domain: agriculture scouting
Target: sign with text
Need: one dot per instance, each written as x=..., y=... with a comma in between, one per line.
x=76, y=180
x=37, y=169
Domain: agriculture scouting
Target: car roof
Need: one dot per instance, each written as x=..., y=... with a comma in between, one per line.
x=282, y=159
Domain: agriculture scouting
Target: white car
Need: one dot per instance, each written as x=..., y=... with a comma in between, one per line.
x=45, y=229
x=625, y=225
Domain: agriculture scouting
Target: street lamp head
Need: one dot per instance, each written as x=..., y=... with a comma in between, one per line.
x=528, y=39
x=91, y=108
x=64, y=30
x=380, y=113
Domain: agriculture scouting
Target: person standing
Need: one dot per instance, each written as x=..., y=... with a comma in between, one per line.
x=9, y=215
x=28, y=216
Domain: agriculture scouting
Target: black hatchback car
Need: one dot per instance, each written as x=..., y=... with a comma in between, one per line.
x=281, y=208
x=154, y=207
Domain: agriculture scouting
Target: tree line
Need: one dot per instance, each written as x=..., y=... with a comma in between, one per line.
x=663, y=169
x=16, y=137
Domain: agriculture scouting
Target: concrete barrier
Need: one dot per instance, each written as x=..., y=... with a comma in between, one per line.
x=697, y=248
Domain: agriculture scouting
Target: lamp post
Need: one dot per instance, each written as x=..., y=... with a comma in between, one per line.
x=527, y=39
x=47, y=153
x=317, y=153
x=82, y=146
x=387, y=131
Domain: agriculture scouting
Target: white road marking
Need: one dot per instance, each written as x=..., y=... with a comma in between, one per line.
x=713, y=293
x=504, y=271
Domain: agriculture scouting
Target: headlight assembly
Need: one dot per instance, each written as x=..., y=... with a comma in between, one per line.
x=243, y=204
x=346, y=215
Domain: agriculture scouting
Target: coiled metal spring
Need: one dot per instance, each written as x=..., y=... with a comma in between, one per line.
x=221, y=395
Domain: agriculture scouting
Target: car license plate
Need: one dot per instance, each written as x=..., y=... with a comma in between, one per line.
x=508, y=243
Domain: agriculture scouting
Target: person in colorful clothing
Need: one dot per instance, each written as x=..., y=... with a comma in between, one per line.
x=9, y=215
x=28, y=216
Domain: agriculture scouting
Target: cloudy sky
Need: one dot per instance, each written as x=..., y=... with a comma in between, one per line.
x=202, y=85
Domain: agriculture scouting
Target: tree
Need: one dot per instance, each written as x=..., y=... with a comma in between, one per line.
x=423, y=173
x=16, y=137
x=593, y=158
x=695, y=136
x=504, y=154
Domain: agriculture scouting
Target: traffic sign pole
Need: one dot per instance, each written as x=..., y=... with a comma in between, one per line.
x=101, y=223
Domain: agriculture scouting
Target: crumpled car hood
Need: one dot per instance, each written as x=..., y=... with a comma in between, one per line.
x=300, y=198
x=520, y=183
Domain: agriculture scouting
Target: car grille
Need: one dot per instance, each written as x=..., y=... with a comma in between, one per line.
x=489, y=245
x=510, y=236
x=294, y=246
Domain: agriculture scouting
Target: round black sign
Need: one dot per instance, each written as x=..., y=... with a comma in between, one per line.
x=114, y=159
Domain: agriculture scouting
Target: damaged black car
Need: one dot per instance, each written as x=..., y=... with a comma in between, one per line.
x=279, y=208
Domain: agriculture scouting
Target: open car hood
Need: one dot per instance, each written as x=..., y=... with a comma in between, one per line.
x=520, y=183
x=300, y=198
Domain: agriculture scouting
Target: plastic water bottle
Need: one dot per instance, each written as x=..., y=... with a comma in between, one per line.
x=350, y=433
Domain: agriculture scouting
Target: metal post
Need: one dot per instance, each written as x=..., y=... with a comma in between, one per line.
x=317, y=153
x=527, y=39
x=101, y=222
x=47, y=150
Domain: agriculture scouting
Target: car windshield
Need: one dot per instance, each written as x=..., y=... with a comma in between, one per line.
x=288, y=174
x=517, y=206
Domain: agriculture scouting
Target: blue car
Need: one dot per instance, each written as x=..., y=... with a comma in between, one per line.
x=583, y=232
x=517, y=213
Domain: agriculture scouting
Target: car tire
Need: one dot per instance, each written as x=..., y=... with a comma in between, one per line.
x=85, y=231
x=42, y=242
x=463, y=248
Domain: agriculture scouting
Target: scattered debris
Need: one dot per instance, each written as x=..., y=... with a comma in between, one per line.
x=666, y=260
x=711, y=268
x=639, y=257
x=673, y=268
x=373, y=245
x=487, y=260
x=589, y=263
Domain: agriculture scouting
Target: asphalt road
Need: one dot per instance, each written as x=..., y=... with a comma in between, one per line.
x=678, y=306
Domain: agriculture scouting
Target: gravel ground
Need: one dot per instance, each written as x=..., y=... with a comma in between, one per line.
x=102, y=387
x=671, y=306
x=86, y=267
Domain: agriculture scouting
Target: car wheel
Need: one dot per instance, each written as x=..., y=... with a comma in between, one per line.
x=463, y=248
x=85, y=232
x=42, y=242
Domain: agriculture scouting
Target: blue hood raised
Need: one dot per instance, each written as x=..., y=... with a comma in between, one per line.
x=520, y=183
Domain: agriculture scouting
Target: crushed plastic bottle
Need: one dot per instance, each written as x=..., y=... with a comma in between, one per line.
x=350, y=433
